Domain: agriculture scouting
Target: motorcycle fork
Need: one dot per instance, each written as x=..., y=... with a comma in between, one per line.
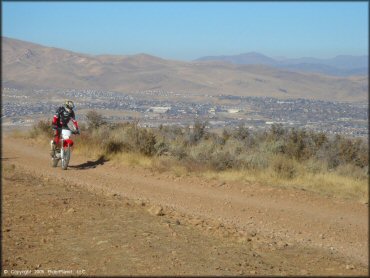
x=62, y=148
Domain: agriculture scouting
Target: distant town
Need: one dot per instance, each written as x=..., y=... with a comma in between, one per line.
x=153, y=108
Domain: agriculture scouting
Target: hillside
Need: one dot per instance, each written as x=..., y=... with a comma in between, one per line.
x=342, y=65
x=28, y=65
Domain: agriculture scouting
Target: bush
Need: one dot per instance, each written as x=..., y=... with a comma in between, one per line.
x=226, y=134
x=171, y=133
x=234, y=146
x=277, y=148
x=276, y=132
x=42, y=128
x=101, y=136
x=221, y=160
x=316, y=166
x=113, y=146
x=202, y=152
x=129, y=138
x=146, y=142
x=362, y=156
x=161, y=148
x=349, y=170
x=340, y=151
x=178, y=149
x=94, y=119
x=272, y=147
x=284, y=167
x=197, y=132
x=241, y=133
x=253, y=161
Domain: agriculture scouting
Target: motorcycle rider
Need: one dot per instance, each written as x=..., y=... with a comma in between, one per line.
x=61, y=118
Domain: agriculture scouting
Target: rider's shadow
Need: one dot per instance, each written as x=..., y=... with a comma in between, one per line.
x=90, y=164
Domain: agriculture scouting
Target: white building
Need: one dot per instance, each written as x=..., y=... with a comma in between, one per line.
x=159, y=109
x=233, y=111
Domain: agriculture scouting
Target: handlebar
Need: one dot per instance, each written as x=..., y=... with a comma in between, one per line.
x=60, y=129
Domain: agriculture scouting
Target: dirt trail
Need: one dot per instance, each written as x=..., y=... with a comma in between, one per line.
x=272, y=218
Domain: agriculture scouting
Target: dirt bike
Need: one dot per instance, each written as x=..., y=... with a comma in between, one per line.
x=63, y=152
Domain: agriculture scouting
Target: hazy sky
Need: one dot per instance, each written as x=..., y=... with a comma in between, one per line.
x=188, y=30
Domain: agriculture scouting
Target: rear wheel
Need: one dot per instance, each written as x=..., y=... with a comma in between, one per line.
x=66, y=157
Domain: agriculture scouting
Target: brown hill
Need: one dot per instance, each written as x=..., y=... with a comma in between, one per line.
x=28, y=65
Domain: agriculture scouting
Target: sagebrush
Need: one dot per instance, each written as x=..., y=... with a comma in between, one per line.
x=277, y=148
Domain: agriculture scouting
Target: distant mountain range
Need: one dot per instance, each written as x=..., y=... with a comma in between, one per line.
x=343, y=65
x=29, y=65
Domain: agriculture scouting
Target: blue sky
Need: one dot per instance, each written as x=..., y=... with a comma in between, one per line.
x=188, y=30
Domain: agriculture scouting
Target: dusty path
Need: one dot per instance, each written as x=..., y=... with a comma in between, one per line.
x=273, y=218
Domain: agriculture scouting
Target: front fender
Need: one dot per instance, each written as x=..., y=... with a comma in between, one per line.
x=67, y=142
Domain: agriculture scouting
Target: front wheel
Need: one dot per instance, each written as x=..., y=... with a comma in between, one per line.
x=54, y=162
x=66, y=157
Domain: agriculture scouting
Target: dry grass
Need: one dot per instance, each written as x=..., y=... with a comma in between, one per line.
x=131, y=160
x=334, y=185
x=170, y=165
x=329, y=183
x=17, y=133
x=87, y=151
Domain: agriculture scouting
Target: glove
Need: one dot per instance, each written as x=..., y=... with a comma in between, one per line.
x=77, y=131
